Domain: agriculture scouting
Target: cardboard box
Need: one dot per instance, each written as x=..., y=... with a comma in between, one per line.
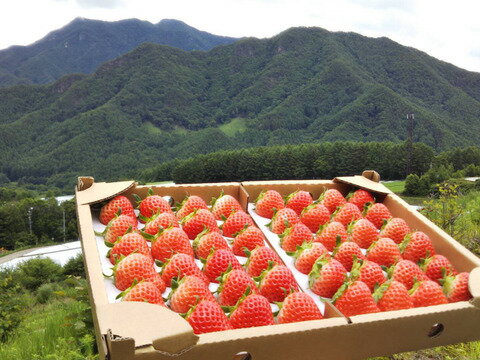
x=145, y=331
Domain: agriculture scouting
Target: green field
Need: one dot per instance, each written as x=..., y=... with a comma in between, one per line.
x=233, y=126
x=395, y=186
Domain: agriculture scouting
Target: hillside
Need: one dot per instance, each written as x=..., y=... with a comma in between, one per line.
x=303, y=85
x=83, y=44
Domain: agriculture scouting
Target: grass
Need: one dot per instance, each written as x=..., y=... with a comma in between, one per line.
x=233, y=126
x=396, y=186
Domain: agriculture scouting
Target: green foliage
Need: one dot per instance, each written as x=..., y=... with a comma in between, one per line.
x=75, y=266
x=11, y=304
x=36, y=272
x=45, y=293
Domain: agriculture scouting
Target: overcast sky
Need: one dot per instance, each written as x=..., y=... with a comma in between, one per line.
x=448, y=30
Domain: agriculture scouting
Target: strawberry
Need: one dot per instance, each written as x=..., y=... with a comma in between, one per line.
x=314, y=216
x=384, y=252
x=392, y=295
x=128, y=244
x=455, y=287
x=253, y=310
x=326, y=277
x=268, y=202
x=151, y=205
x=188, y=292
x=119, y=226
x=395, y=229
x=248, y=238
x=330, y=234
x=162, y=220
x=258, y=260
x=363, y=232
x=346, y=252
x=189, y=205
x=282, y=219
x=377, y=214
x=298, y=306
x=417, y=246
x=360, y=197
x=194, y=223
x=233, y=284
x=236, y=222
x=331, y=199
x=276, y=283
x=206, y=241
x=295, y=236
x=369, y=272
x=118, y=205
x=436, y=267
x=170, y=241
x=355, y=298
x=218, y=262
x=407, y=272
x=136, y=267
x=298, y=201
x=224, y=206
x=427, y=293
x=144, y=291
x=346, y=213
x=307, y=254
x=207, y=316
x=180, y=265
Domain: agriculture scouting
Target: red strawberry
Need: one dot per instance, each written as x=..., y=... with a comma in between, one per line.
x=427, y=293
x=207, y=316
x=236, y=222
x=377, y=214
x=282, y=219
x=360, y=197
x=298, y=306
x=331, y=199
x=136, y=267
x=189, y=205
x=194, y=223
x=258, y=260
x=144, y=291
x=151, y=205
x=180, y=265
x=276, y=283
x=326, y=277
x=330, y=234
x=437, y=266
x=253, y=310
x=314, y=216
x=307, y=254
x=346, y=252
x=392, y=295
x=233, y=285
x=298, y=201
x=224, y=206
x=188, y=292
x=117, y=227
x=369, y=272
x=455, y=287
x=384, y=252
x=407, y=272
x=128, y=244
x=417, y=246
x=218, y=262
x=355, y=298
x=395, y=229
x=118, y=205
x=170, y=241
x=346, y=214
x=162, y=220
x=248, y=238
x=268, y=202
x=363, y=232
x=295, y=236
x=208, y=240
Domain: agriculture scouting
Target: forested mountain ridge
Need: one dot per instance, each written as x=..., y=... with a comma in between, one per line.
x=83, y=44
x=303, y=85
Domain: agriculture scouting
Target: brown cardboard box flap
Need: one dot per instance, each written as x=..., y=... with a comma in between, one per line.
x=90, y=192
x=474, y=286
x=148, y=324
x=364, y=183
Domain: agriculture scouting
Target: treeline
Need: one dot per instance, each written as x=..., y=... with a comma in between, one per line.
x=306, y=161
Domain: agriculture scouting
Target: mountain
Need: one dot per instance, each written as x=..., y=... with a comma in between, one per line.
x=157, y=103
x=82, y=45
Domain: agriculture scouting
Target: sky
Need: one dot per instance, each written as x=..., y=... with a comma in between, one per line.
x=447, y=30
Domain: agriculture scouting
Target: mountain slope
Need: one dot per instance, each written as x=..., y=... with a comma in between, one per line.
x=83, y=44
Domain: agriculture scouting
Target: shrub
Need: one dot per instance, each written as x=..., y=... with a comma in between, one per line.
x=75, y=266
x=35, y=272
x=11, y=304
x=45, y=292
